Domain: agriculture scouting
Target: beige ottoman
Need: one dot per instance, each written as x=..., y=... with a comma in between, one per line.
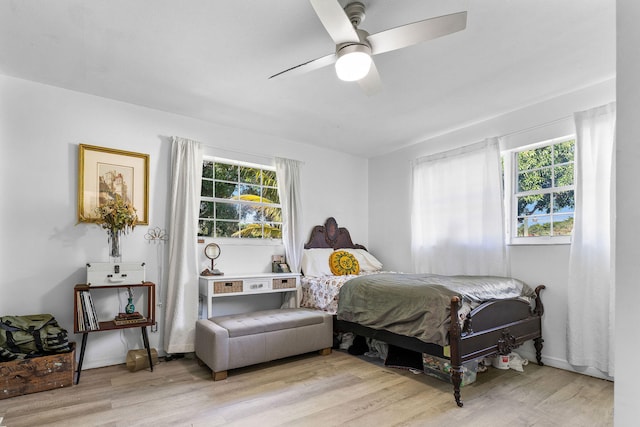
x=238, y=340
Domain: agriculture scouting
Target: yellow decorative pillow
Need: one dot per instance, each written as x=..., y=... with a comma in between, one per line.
x=342, y=263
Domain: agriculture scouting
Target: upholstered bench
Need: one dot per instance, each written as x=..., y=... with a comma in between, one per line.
x=235, y=341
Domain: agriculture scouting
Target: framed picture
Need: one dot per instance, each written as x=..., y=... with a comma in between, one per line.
x=284, y=268
x=104, y=173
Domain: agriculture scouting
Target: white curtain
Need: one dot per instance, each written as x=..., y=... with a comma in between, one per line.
x=288, y=173
x=590, y=327
x=457, y=224
x=181, y=309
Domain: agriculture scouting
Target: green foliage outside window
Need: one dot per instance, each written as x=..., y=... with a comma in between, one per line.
x=239, y=201
x=544, y=190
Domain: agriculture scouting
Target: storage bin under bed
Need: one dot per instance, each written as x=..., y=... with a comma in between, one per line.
x=441, y=369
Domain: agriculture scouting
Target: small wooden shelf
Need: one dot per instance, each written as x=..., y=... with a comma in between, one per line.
x=109, y=325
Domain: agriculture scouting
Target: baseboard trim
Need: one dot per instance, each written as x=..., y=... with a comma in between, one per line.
x=555, y=362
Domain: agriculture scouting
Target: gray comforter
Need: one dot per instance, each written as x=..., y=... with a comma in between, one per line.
x=419, y=305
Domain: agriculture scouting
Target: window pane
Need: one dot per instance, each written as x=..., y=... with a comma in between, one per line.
x=250, y=175
x=252, y=231
x=226, y=228
x=273, y=230
x=534, y=205
x=564, y=175
x=250, y=190
x=533, y=159
x=205, y=228
x=534, y=226
x=226, y=172
x=534, y=180
x=270, y=195
x=227, y=210
x=225, y=190
x=269, y=178
x=563, y=201
x=206, y=210
x=564, y=151
x=206, y=188
x=207, y=169
x=273, y=214
x=563, y=224
x=251, y=214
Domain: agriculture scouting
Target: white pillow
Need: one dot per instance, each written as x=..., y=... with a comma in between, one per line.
x=315, y=262
x=367, y=261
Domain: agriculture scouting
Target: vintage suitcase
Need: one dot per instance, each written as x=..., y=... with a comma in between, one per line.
x=115, y=273
x=24, y=376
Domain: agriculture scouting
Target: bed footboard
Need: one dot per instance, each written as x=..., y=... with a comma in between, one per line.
x=495, y=327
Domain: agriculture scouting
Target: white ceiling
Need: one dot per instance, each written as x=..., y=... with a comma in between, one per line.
x=210, y=59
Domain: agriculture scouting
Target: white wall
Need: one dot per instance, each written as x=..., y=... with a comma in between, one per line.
x=627, y=215
x=390, y=203
x=43, y=251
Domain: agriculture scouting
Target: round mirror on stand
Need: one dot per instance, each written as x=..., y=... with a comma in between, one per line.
x=212, y=251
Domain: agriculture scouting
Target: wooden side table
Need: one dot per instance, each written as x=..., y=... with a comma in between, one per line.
x=109, y=325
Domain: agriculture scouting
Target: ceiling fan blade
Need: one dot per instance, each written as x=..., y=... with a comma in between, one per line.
x=335, y=21
x=314, y=64
x=410, y=34
x=371, y=83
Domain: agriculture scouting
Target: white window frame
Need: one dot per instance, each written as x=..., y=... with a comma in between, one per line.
x=511, y=195
x=240, y=239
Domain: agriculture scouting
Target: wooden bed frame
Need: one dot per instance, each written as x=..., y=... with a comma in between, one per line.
x=494, y=327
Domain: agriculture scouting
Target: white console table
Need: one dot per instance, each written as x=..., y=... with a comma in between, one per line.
x=249, y=284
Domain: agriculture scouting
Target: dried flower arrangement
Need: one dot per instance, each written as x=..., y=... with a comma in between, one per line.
x=117, y=217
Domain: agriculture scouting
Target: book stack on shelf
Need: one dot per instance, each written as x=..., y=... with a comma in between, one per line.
x=87, y=317
x=129, y=318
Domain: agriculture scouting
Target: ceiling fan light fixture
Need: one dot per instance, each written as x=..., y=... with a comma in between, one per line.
x=354, y=62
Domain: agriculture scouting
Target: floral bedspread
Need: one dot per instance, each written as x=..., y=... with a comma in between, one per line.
x=321, y=292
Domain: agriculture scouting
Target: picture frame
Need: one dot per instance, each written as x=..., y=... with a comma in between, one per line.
x=284, y=268
x=103, y=172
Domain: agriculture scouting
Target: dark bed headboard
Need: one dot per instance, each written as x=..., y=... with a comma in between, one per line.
x=331, y=236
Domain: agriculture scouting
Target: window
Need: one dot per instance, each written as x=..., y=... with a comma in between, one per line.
x=541, y=191
x=239, y=200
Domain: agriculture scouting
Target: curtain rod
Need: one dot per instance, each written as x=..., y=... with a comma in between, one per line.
x=245, y=153
x=476, y=145
x=240, y=152
x=456, y=151
x=272, y=158
x=538, y=126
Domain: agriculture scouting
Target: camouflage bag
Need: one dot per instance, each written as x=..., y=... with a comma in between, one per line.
x=29, y=336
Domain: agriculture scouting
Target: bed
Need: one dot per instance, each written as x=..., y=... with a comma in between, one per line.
x=486, y=324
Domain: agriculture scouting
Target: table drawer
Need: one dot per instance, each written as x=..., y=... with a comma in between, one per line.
x=225, y=287
x=288, y=283
x=256, y=285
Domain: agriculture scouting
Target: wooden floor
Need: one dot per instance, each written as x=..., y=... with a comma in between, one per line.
x=313, y=390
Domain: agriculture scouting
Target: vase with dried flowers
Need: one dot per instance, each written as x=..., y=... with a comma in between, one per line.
x=118, y=217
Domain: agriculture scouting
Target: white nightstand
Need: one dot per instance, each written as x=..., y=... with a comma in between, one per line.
x=249, y=284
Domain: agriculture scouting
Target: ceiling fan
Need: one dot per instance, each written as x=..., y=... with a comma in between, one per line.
x=355, y=47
